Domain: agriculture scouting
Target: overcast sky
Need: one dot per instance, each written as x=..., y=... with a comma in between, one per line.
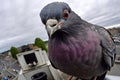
x=20, y=22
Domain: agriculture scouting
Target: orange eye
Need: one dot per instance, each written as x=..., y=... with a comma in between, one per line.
x=65, y=14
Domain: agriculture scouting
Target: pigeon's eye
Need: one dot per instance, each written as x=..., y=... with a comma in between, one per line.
x=65, y=14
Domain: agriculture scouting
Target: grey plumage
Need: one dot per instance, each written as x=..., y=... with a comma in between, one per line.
x=78, y=48
x=108, y=46
x=53, y=10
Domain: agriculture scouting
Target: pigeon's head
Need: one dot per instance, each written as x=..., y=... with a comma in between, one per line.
x=54, y=15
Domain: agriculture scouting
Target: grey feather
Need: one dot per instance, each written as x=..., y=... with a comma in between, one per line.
x=53, y=10
x=108, y=46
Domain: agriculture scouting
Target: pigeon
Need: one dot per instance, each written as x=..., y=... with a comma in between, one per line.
x=77, y=47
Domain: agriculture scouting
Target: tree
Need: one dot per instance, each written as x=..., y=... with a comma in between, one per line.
x=14, y=51
x=40, y=44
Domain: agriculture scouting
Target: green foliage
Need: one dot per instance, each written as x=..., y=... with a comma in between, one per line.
x=40, y=44
x=14, y=51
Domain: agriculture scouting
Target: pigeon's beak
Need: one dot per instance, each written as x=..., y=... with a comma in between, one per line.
x=52, y=25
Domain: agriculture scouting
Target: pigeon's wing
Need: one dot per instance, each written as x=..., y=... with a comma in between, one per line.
x=108, y=46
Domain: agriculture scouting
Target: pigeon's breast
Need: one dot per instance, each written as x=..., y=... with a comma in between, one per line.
x=77, y=53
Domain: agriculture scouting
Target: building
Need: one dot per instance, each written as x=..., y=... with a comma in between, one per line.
x=36, y=66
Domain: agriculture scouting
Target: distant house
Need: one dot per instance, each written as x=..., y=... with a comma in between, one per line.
x=28, y=47
x=115, y=32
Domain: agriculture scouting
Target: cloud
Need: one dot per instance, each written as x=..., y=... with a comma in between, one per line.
x=104, y=13
x=20, y=22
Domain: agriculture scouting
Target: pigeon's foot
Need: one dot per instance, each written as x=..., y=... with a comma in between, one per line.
x=95, y=78
x=70, y=77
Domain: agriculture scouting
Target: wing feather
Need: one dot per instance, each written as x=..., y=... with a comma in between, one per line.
x=108, y=46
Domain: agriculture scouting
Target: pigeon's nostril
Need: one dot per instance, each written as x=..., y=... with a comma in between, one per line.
x=53, y=25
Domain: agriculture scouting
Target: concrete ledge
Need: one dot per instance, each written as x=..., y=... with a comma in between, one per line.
x=111, y=77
